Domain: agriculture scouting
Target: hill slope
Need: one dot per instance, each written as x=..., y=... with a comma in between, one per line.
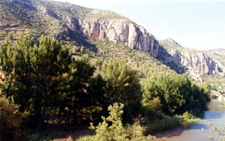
x=106, y=33
x=77, y=25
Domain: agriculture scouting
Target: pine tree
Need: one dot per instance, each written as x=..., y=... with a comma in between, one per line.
x=122, y=85
x=44, y=79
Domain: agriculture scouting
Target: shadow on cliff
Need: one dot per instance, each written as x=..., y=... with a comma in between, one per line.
x=168, y=60
x=76, y=38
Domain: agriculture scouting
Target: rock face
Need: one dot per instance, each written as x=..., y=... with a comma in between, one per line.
x=196, y=62
x=46, y=12
x=118, y=30
x=100, y=24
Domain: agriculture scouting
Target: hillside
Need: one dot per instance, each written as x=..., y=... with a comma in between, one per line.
x=205, y=65
x=77, y=25
x=139, y=60
x=64, y=20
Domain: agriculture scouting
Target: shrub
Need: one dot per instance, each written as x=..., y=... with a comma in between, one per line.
x=11, y=120
x=115, y=131
x=186, y=116
x=136, y=133
x=34, y=137
x=163, y=124
x=112, y=129
x=153, y=106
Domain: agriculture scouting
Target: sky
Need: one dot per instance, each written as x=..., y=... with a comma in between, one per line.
x=193, y=24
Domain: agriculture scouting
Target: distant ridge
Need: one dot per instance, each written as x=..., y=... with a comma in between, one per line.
x=170, y=42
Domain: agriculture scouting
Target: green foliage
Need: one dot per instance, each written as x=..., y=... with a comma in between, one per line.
x=153, y=106
x=141, y=61
x=122, y=85
x=177, y=94
x=115, y=131
x=216, y=82
x=34, y=137
x=56, y=87
x=213, y=87
x=186, y=116
x=45, y=80
x=163, y=124
x=122, y=82
x=111, y=129
x=11, y=119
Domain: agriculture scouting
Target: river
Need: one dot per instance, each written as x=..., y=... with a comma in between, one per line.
x=201, y=131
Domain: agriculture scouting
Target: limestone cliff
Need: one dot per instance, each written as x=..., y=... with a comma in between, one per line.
x=196, y=62
x=98, y=24
x=117, y=30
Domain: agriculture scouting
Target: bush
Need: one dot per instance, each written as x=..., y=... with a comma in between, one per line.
x=34, y=137
x=136, y=133
x=115, y=131
x=11, y=120
x=186, y=116
x=154, y=106
x=163, y=124
x=111, y=129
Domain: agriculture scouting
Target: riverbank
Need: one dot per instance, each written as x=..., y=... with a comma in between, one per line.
x=163, y=136
x=198, y=131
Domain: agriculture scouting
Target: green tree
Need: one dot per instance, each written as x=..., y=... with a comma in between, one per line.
x=45, y=80
x=122, y=85
x=78, y=97
x=177, y=94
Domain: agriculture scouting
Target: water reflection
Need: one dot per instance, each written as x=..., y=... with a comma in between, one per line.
x=208, y=115
x=201, y=131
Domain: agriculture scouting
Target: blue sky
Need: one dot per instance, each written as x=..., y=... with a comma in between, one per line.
x=194, y=24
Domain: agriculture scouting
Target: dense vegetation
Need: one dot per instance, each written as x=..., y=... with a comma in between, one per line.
x=49, y=84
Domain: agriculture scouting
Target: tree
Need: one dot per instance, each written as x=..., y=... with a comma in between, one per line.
x=45, y=80
x=122, y=85
x=176, y=93
x=78, y=98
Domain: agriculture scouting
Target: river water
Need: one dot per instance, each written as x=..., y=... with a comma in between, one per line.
x=201, y=131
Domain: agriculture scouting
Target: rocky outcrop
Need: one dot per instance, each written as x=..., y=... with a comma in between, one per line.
x=42, y=10
x=196, y=62
x=117, y=30
x=218, y=56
